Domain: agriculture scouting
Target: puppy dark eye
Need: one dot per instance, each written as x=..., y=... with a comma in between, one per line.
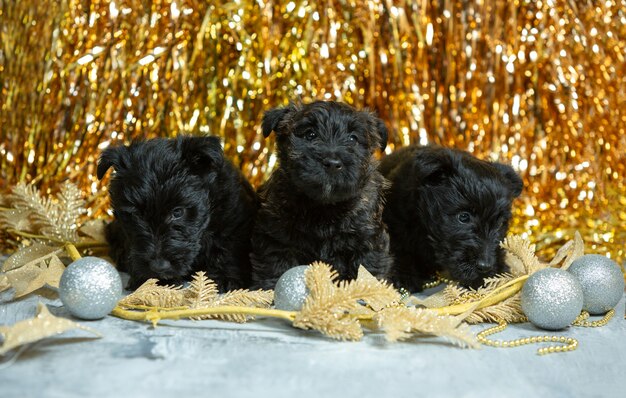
x=463, y=217
x=353, y=138
x=177, y=213
x=310, y=135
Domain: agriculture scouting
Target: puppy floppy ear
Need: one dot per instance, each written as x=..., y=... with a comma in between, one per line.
x=202, y=153
x=384, y=133
x=515, y=183
x=273, y=117
x=433, y=165
x=111, y=157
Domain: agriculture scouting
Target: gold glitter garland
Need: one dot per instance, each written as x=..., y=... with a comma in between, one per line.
x=534, y=83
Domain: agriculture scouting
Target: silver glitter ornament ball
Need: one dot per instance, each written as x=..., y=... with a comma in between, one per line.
x=90, y=288
x=552, y=298
x=602, y=282
x=291, y=291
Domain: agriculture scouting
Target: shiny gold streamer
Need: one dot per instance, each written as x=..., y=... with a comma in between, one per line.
x=539, y=84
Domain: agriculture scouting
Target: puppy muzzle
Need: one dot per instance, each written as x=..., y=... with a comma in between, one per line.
x=160, y=266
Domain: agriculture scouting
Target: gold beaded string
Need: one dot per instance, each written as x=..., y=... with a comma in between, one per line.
x=568, y=343
x=581, y=320
x=439, y=279
x=431, y=284
x=468, y=296
x=404, y=295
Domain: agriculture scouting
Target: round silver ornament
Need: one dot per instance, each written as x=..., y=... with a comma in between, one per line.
x=90, y=287
x=602, y=282
x=291, y=291
x=552, y=298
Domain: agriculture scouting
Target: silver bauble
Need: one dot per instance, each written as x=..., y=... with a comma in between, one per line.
x=552, y=298
x=602, y=282
x=90, y=288
x=291, y=291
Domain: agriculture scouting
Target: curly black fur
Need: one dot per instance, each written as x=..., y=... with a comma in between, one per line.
x=323, y=202
x=447, y=212
x=180, y=207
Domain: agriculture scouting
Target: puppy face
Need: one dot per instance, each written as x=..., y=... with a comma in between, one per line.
x=161, y=200
x=326, y=147
x=468, y=206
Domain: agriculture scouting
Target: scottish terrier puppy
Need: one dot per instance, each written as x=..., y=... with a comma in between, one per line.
x=179, y=207
x=324, y=200
x=447, y=213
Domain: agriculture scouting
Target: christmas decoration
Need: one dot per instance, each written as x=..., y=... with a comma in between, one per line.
x=602, y=282
x=337, y=309
x=291, y=291
x=30, y=215
x=49, y=227
x=43, y=271
x=536, y=84
x=552, y=298
x=202, y=293
x=90, y=288
x=333, y=308
x=567, y=343
x=41, y=326
x=499, y=299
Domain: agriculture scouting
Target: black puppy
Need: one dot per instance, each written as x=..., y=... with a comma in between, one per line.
x=447, y=212
x=180, y=207
x=323, y=202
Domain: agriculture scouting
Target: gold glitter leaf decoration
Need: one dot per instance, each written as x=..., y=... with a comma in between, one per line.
x=4, y=283
x=332, y=308
x=453, y=293
x=432, y=301
x=402, y=323
x=28, y=254
x=520, y=255
x=509, y=310
x=494, y=282
x=35, y=275
x=15, y=219
x=56, y=218
x=240, y=298
x=569, y=252
x=153, y=295
x=94, y=230
x=201, y=292
x=386, y=296
x=43, y=325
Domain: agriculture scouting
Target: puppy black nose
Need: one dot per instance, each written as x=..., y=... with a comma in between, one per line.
x=160, y=265
x=483, y=266
x=332, y=164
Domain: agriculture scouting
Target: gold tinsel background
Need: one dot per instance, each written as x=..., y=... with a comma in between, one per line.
x=539, y=84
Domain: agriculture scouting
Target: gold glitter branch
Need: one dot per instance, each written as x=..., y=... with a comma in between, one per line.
x=48, y=227
x=498, y=299
x=336, y=309
x=201, y=294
